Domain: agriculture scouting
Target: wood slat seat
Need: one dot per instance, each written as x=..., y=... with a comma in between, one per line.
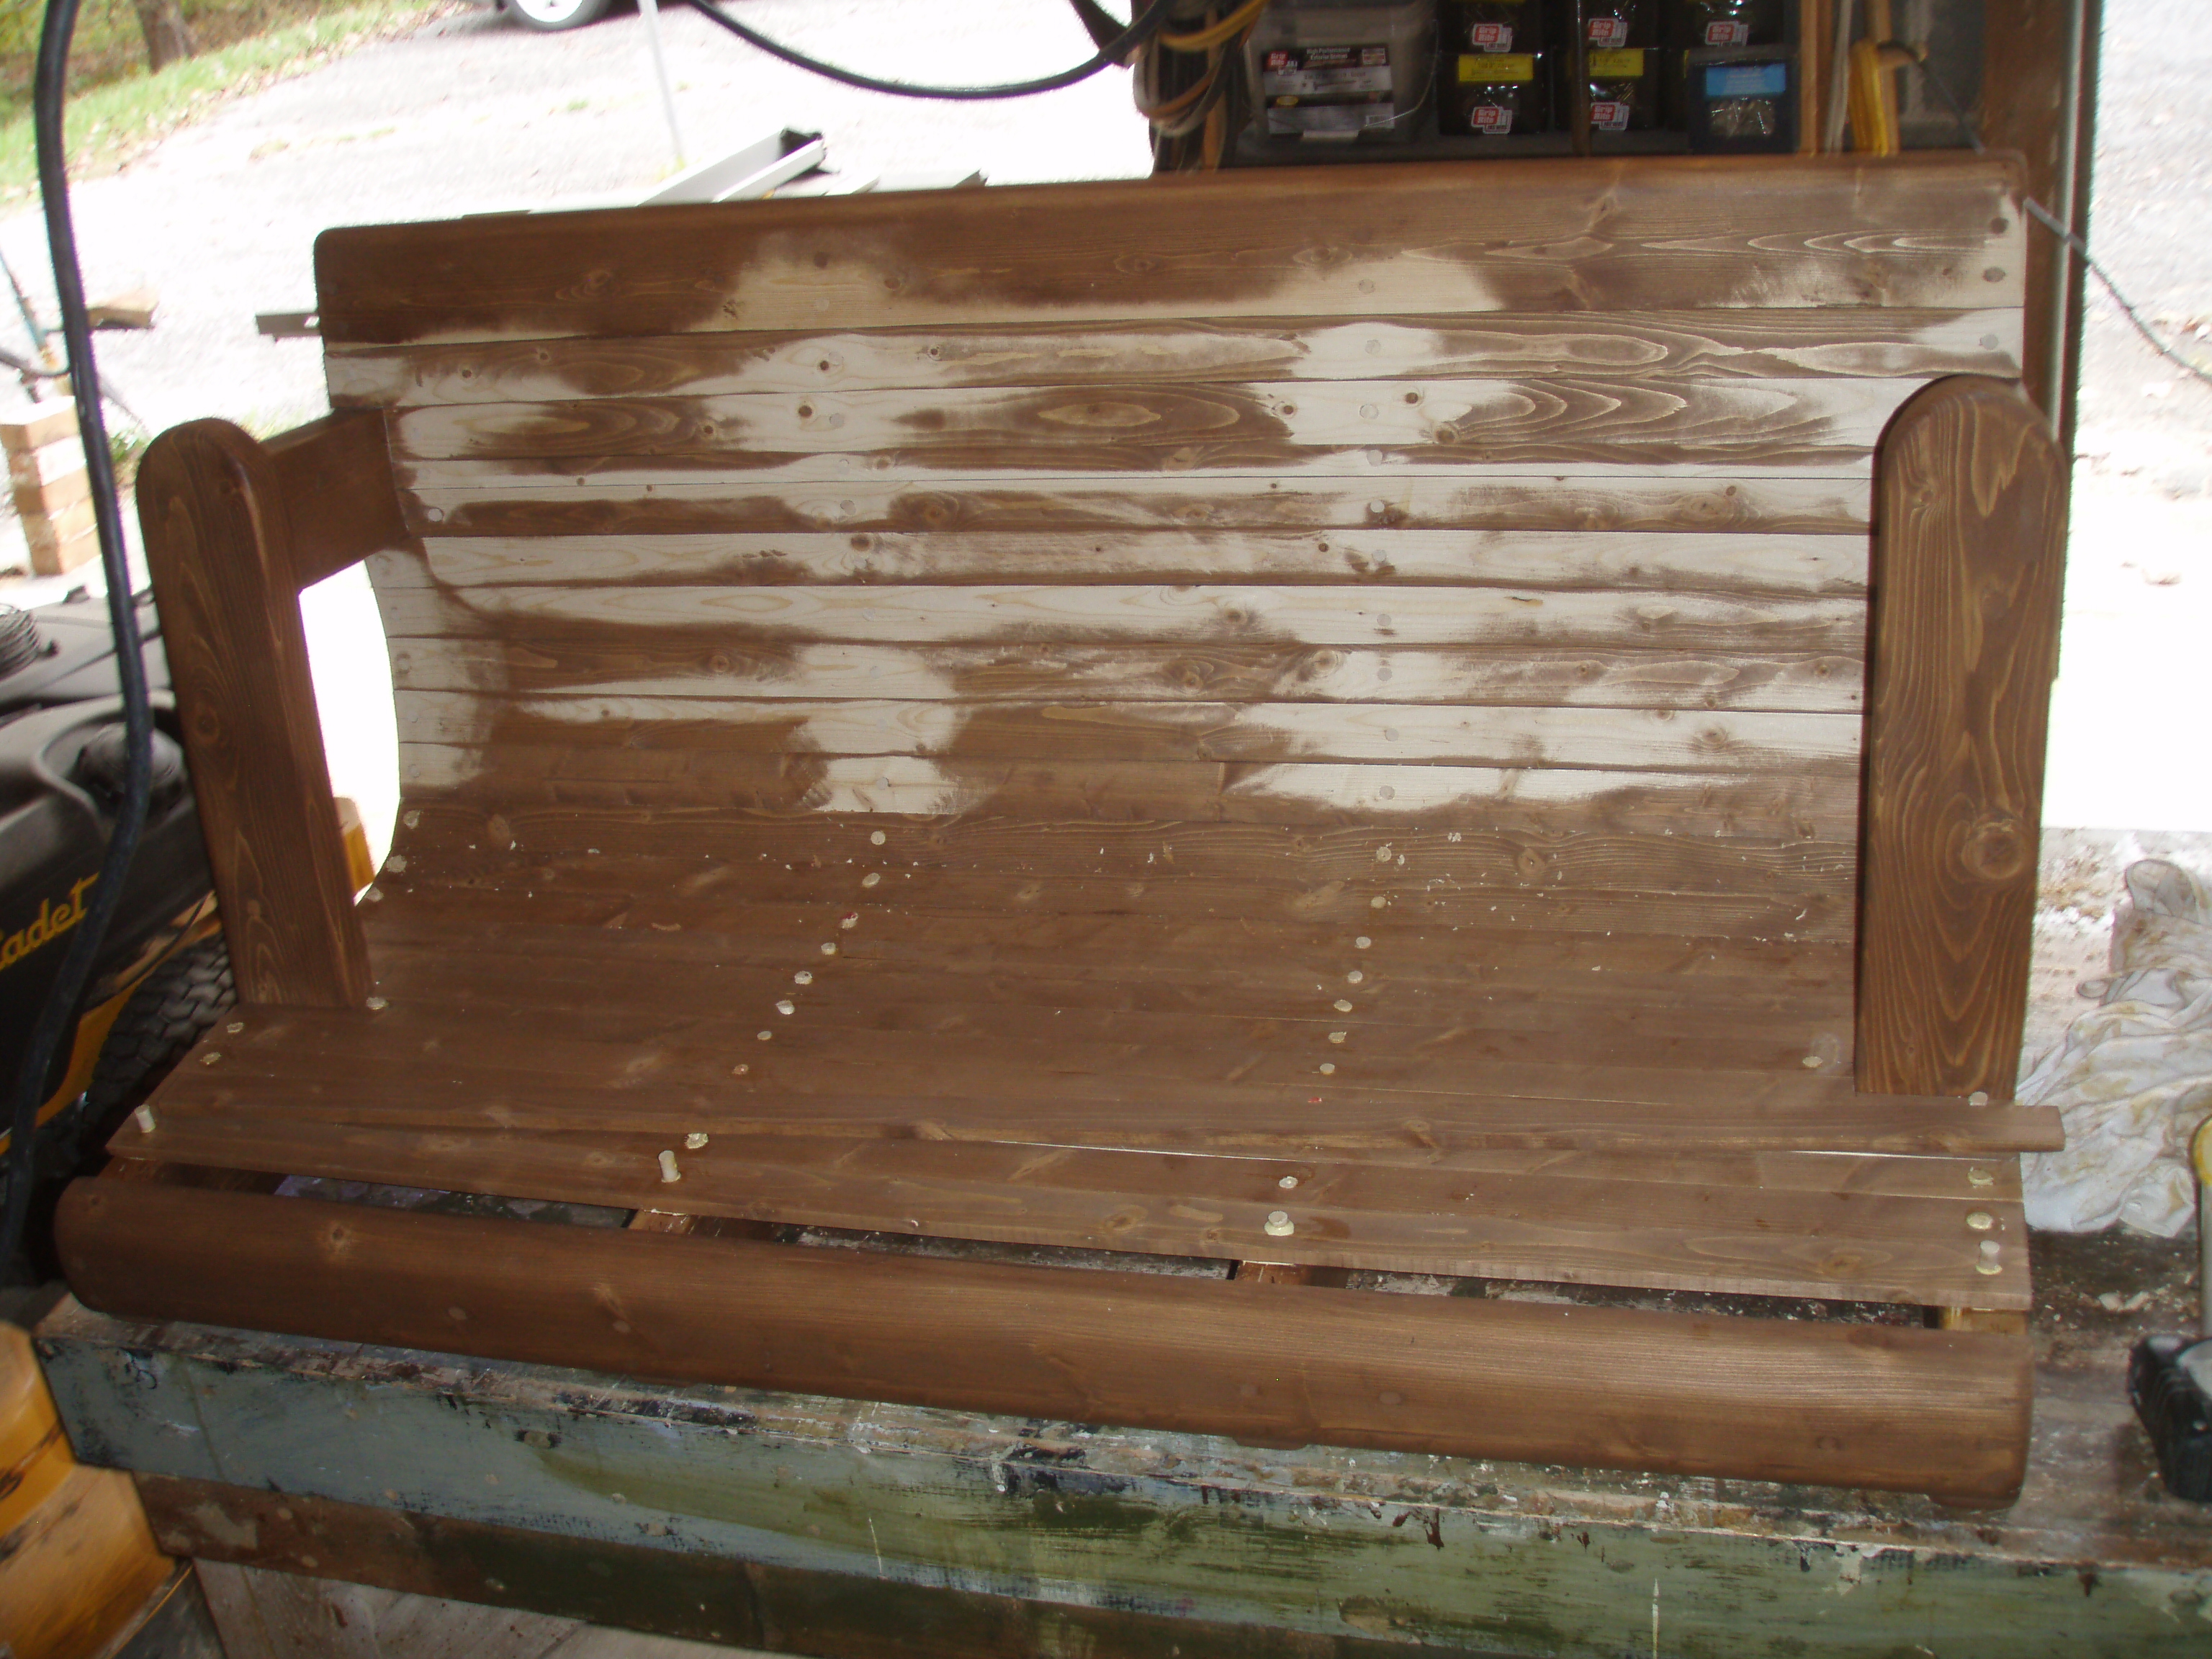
x=1119, y=718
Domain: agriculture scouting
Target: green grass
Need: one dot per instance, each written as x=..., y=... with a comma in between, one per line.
x=116, y=109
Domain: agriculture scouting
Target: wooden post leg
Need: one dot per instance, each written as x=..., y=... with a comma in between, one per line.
x=218, y=540
x=1970, y=531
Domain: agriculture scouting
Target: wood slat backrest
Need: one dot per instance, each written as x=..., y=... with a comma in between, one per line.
x=1512, y=516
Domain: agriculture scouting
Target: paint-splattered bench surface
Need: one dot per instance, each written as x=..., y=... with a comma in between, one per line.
x=1338, y=720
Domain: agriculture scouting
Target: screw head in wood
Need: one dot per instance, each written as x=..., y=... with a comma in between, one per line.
x=877, y=838
x=209, y=1058
x=694, y=1140
x=830, y=948
x=1329, y=1068
x=787, y=1006
x=1354, y=977
x=1362, y=942
x=1980, y=1178
x=1344, y=1005
x=804, y=976
x=871, y=878
x=1990, y=1247
x=236, y=1027
x=1987, y=1267
x=764, y=1036
x=1338, y=1036
x=1280, y=1225
x=1980, y=1220
x=376, y=1004
x=1979, y=1097
x=1287, y=1182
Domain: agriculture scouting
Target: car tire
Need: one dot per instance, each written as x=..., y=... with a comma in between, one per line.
x=552, y=16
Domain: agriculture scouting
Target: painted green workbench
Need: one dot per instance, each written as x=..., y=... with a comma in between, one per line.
x=822, y=1526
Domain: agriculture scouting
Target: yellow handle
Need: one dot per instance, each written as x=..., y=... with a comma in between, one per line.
x=1873, y=101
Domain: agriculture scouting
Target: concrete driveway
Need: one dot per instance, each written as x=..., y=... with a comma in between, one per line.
x=476, y=114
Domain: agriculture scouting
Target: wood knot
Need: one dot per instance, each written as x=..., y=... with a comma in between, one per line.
x=1995, y=850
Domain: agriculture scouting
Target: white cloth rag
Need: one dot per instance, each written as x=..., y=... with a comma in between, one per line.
x=2133, y=1079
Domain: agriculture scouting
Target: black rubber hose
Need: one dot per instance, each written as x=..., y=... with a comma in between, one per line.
x=57, y=1016
x=1141, y=28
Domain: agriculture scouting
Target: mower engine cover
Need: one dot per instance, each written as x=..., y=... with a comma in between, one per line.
x=61, y=779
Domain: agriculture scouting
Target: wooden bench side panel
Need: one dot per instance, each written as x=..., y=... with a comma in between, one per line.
x=1969, y=568
x=214, y=509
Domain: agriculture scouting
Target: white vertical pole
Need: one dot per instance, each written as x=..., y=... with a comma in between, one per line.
x=1840, y=79
x=652, y=12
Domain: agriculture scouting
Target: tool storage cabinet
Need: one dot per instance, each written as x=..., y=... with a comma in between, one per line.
x=1475, y=721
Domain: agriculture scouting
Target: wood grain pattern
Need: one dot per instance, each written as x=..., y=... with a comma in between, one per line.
x=211, y=506
x=1803, y=1224
x=1918, y=1409
x=463, y=499
x=1627, y=738
x=1663, y=346
x=1370, y=616
x=838, y=1065
x=1483, y=800
x=340, y=501
x=1543, y=677
x=1969, y=560
x=1739, y=562
x=1799, y=426
x=1650, y=234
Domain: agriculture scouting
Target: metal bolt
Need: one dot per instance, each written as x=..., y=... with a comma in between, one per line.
x=1329, y=1068
x=1287, y=1182
x=1338, y=1036
x=1990, y=1247
x=1280, y=1225
x=144, y=1118
x=871, y=878
x=669, y=1172
x=1344, y=1005
x=804, y=976
x=1979, y=1097
x=1362, y=942
x=1989, y=1267
x=1980, y=1220
x=1354, y=977
x=787, y=1006
x=1980, y=1178
x=694, y=1140
x=878, y=838
x=377, y=1003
